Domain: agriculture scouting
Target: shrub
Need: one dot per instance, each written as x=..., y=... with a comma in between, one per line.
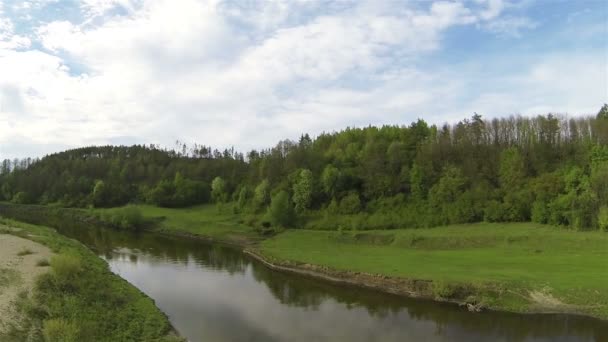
x=66, y=266
x=22, y=198
x=540, y=212
x=127, y=218
x=602, y=218
x=493, y=212
x=60, y=330
x=350, y=204
x=280, y=211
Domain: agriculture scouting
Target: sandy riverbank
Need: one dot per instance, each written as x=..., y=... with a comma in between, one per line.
x=18, y=271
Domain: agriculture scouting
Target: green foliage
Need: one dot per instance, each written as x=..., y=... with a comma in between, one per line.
x=125, y=218
x=66, y=267
x=218, y=190
x=446, y=197
x=303, y=191
x=602, y=219
x=464, y=172
x=350, y=204
x=22, y=197
x=180, y=192
x=512, y=169
x=261, y=195
x=330, y=180
x=603, y=113
x=417, y=182
x=280, y=211
x=243, y=198
x=60, y=330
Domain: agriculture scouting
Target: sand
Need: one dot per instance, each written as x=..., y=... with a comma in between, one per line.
x=17, y=272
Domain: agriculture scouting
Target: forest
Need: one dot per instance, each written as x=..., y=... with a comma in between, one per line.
x=547, y=169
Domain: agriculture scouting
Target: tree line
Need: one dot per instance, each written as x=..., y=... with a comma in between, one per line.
x=547, y=169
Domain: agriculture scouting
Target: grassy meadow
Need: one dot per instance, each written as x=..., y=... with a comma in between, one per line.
x=209, y=221
x=514, y=266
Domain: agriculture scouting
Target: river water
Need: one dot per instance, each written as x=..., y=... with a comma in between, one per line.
x=213, y=292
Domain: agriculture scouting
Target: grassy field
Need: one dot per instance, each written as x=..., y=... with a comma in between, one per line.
x=518, y=266
x=206, y=220
x=80, y=299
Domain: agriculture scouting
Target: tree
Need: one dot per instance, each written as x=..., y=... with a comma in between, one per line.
x=244, y=195
x=512, y=172
x=99, y=194
x=261, y=195
x=329, y=180
x=218, y=190
x=417, y=183
x=603, y=218
x=280, y=211
x=303, y=190
x=603, y=113
x=350, y=204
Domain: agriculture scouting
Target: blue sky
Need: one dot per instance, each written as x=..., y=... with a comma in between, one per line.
x=249, y=73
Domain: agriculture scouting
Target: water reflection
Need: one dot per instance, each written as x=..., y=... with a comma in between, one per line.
x=215, y=293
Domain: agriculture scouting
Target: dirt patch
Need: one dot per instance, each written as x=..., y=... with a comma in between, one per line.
x=18, y=271
x=544, y=301
x=398, y=286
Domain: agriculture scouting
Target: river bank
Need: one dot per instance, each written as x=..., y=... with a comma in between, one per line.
x=523, y=268
x=67, y=293
x=515, y=267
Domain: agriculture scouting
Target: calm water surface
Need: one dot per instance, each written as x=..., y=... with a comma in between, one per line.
x=213, y=292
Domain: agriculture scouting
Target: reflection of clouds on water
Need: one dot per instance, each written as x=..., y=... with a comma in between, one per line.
x=210, y=304
x=215, y=293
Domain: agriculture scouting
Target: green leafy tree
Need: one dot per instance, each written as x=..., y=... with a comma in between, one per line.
x=303, y=190
x=243, y=198
x=261, y=195
x=329, y=180
x=280, y=211
x=603, y=218
x=218, y=190
x=417, y=183
x=350, y=204
x=512, y=169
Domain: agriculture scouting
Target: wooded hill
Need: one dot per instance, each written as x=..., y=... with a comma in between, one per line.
x=546, y=169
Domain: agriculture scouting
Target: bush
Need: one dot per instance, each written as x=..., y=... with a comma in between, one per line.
x=540, y=212
x=602, y=218
x=66, y=266
x=22, y=198
x=493, y=212
x=127, y=218
x=60, y=330
x=280, y=211
x=350, y=204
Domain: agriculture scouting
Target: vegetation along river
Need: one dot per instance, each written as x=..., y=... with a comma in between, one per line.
x=213, y=292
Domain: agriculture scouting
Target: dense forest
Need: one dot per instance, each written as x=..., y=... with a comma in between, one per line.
x=547, y=169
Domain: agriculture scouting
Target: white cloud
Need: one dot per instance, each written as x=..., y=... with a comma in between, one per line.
x=510, y=26
x=244, y=74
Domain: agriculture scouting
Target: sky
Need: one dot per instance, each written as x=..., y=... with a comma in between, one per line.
x=249, y=73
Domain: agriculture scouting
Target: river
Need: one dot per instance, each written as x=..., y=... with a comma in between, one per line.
x=212, y=292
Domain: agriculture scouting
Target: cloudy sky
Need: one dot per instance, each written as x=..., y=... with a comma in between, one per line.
x=247, y=73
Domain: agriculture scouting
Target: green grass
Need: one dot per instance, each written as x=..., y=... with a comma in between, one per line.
x=80, y=299
x=205, y=220
x=516, y=258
